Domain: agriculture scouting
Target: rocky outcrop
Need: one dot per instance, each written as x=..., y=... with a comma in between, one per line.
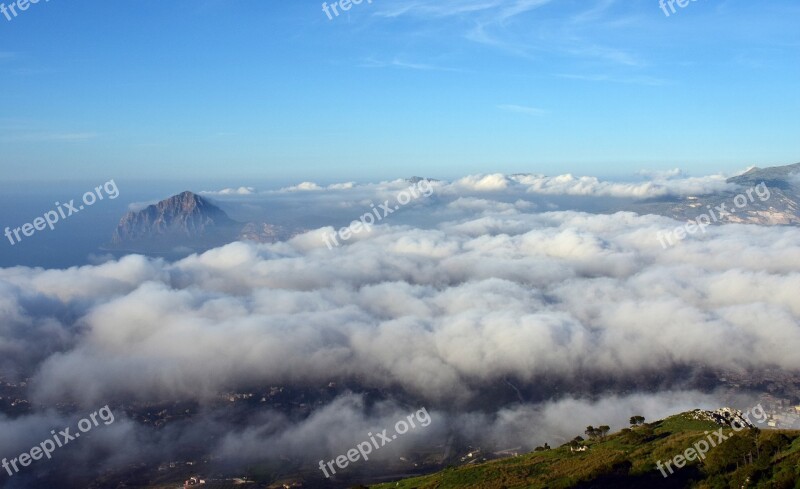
x=182, y=216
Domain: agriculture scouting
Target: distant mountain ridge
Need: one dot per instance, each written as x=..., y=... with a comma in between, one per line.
x=189, y=222
x=777, y=176
x=781, y=208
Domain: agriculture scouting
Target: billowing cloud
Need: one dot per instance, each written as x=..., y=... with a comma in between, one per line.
x=648, y=185
x=436, y=312
x=232, y=191
x=303, y=187
x=569, y=185
x=496, y=303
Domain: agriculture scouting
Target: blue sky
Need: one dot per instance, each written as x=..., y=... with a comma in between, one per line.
x=244, y=90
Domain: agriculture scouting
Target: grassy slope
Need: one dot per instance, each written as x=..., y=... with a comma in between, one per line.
x=627, y=459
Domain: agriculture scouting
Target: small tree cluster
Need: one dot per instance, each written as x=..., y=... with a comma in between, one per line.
x=637, y=420
x=599, y=432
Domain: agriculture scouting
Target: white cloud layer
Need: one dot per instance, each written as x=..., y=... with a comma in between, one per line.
x=649, y=185
x=557, y=311
x=438, y=312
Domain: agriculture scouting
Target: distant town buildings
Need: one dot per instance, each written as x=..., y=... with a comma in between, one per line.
x=197, y=482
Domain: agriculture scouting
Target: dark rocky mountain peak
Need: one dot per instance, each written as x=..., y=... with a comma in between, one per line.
x=186, y=215
x=777, y=177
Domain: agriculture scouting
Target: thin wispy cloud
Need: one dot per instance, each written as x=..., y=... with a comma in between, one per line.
x=49, y=137
x=634, y=80
x=522, y=109
x=520, y=7
x=615, y=56
x=595, y=13
x=500, y=9
x=406, y=65
x=524, y=28
x=480, y=34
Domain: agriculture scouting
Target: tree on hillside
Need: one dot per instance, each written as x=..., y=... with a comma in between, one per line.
x=637, y=420
x=603, y=431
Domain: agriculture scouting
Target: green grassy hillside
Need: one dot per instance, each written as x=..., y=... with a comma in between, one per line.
x=747, y=459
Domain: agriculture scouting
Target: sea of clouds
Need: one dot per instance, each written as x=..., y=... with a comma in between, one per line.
x=574, y=317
